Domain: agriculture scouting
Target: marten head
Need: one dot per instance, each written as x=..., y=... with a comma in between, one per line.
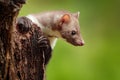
x=70, y=30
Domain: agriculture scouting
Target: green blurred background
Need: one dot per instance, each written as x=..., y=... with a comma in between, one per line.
x=99, y=59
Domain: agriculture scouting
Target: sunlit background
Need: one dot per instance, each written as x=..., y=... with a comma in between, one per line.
x=99, y=59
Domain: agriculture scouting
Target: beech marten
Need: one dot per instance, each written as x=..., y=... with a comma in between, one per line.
x=59, y=24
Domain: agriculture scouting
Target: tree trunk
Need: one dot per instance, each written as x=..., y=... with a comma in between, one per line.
x=24, y=51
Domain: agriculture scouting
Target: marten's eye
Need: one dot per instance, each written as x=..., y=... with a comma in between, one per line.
x=73, y=33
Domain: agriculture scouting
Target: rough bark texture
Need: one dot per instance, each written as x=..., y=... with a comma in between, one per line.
x=8, y=13
x=31, y=50
x=24, y=51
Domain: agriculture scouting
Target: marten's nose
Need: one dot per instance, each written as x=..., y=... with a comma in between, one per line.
x=81, y=43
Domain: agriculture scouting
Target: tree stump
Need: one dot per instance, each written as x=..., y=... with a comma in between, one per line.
x=24, y=50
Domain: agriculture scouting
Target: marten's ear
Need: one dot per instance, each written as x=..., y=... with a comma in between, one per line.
x=65, y=18
x=76, y=15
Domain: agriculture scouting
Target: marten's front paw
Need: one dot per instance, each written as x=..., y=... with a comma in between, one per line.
x=23, y=25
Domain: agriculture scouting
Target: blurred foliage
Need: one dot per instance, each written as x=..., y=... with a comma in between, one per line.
x=99, y=59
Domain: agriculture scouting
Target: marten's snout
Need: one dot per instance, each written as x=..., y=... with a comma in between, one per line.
x=75, y=39
x=80, y=43
x=76, y=42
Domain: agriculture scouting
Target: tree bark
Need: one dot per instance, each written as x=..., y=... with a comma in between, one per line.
x=8, y=12
x=24, y=50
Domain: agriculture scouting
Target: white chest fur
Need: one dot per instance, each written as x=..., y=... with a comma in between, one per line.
x=46, y=31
